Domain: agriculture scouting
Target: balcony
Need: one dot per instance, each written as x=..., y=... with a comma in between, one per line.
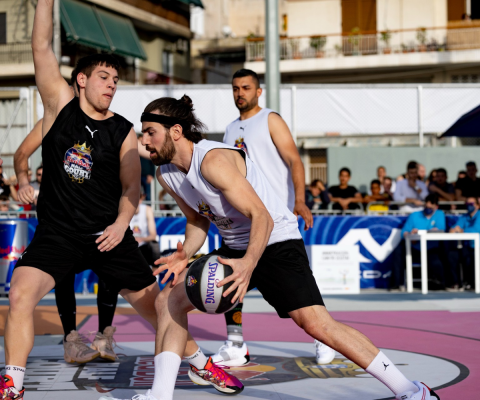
x=16, y=53
x=357, y=50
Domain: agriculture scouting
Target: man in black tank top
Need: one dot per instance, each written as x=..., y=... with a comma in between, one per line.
x=89, y=193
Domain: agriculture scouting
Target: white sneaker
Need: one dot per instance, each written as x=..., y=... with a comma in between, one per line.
x=424, y=393
x=146, y=396
x=231, y=356
x=323, y=353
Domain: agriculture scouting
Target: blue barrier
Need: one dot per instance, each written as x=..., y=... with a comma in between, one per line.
x=377, y=237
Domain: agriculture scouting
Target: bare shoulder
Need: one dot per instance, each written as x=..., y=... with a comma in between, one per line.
x=275, y=120
x=220, y=157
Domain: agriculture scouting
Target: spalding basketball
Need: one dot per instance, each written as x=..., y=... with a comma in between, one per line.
x=201, y=285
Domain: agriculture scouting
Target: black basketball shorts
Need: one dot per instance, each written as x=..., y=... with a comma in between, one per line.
x=59, y=253
x=282, y=275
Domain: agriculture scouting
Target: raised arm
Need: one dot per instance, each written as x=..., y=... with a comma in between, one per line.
x=53, y=88
x=240, y=194
x=283, y=141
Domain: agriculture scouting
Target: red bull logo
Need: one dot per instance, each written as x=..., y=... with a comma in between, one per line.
x=78, y=163
x=240, y=144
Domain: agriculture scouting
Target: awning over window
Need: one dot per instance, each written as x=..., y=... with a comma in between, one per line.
x=197, y=3
x=87, y=25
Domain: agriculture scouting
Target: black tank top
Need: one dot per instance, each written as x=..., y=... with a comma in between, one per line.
x=81, y=186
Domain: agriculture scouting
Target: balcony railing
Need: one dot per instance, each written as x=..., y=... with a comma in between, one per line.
x=357, y=44
x=16, y=53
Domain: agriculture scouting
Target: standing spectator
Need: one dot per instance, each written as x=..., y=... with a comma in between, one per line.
x=381, y=176
x=389, y=186
x=344, y=196
x=411, y=190
x=404, y=176
x=422, y=172
x=36, y=184
x=468, y=186
x=430, y=219
x=148, y=172
x=316, y=197
x=469, y=222
x=444, y=190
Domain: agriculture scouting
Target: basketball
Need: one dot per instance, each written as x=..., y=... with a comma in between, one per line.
x=201, y=285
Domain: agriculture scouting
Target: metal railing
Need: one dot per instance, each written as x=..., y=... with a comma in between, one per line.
x=16, y=53
x=318, y=171
x=358, y=44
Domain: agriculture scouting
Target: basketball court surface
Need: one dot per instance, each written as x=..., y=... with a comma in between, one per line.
x=434, y=338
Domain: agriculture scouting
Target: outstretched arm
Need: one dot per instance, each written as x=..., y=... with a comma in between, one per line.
x=53, y=88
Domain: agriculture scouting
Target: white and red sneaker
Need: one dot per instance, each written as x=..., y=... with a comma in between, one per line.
x=230, y=355
x=424, y=393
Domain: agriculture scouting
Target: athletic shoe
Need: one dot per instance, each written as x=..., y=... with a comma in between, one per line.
x=146, y=396
x=104, y=343
x=425, y=393
x=8, y=390
x=76, y=350
x=323, y=353
x=211, y=374
x=230, y=355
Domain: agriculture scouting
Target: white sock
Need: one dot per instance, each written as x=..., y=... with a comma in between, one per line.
x=167, y=364
x=198, y=359
x=386, y=372
x=17, y=374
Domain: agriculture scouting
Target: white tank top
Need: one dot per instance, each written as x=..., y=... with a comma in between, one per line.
x=139, y=223
x=253, y=136
x=210, y=202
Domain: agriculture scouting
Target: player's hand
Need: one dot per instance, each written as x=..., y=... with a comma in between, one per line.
x=26, y=194
x=174, y=264
x=302, y=210
x=111, y=237
x=242, y=273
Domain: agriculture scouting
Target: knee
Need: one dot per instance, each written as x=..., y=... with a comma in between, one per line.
x=320, y=329
x=173, y=300
x=20, y=301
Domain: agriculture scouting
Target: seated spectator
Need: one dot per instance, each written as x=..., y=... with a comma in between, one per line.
x=316, y=197
x=377, y=196
x=461, y=175
x=468, y=186
x=429, y=219
x=422, y=172
x=4, y=203
x=345, y=197
x=432, y=177
x=411, y=190
x=389, y=186
x=381, y=176
x=444, y=190
x=464, y=254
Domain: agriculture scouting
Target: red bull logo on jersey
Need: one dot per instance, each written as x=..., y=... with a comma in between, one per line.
x=136, y=230
x=220, y=222
x=78, y=163
x=240, y=144
x=191, y=281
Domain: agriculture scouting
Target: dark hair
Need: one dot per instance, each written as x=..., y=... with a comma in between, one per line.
x=3, y=197
x=375, y=182
x=471, y=164
x=241, y=73
x=387, y=177
x=432, y=198
x=87, y=64
x=412, y=165
x=40, y=167
x=182, y=109
x=314, y=182
x=442, y=171
x=345, y=169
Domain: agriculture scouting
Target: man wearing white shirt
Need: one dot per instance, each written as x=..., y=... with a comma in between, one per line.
x=411, y=190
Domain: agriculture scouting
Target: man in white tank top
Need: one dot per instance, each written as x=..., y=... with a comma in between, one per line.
x=237, y=196
x=265, y=137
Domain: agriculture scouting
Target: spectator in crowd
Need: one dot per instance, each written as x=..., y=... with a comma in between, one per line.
x=344, y=196
x=381, y=176
x=432, y=177
x=461, y=175
x=404, y=176
x=468, y=186
x=444, y=190
x=464, y=254
x=148, y=172
x=316, y=196
x=4, y=203
x=429, y=219
x=411, y=190
x=36, y=184
x=389, y=186
x=422, y=172
x=376, y=195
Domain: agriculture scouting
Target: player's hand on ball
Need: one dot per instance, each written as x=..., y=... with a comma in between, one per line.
x=242, y=273
x=26, y=194
x=111, y=237
x=174, y=264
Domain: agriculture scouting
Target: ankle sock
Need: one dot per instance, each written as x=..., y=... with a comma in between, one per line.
x=167, y=364
x=17, y=374
x=198, y=359
x=386, y=372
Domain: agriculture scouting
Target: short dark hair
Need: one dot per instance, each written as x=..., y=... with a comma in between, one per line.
x=181, y=109
x=39, y=168
x=471, y=164
x=432, y=198
x=345, y=169
x=3, y=197
x=314, y=182
x=412, y=165
x=241, y=73
x=442, y=171
x=375, y=182
x=389, y=178
x=87, y=64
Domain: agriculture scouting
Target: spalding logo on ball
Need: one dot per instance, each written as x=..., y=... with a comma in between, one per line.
x=201, y=285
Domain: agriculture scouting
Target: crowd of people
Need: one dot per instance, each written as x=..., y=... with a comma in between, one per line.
x=408, y=192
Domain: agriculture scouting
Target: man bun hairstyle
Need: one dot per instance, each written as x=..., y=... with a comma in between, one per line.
x=181, y=110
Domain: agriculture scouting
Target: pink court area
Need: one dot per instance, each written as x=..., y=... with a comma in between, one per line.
x=443, y=334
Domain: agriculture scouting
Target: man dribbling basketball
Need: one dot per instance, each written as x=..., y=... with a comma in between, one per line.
x=214, y=182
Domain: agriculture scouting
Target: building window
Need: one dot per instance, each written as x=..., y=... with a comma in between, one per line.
x=359, y=14
x=470, y=78
x=167, y=63
x=3, y=28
